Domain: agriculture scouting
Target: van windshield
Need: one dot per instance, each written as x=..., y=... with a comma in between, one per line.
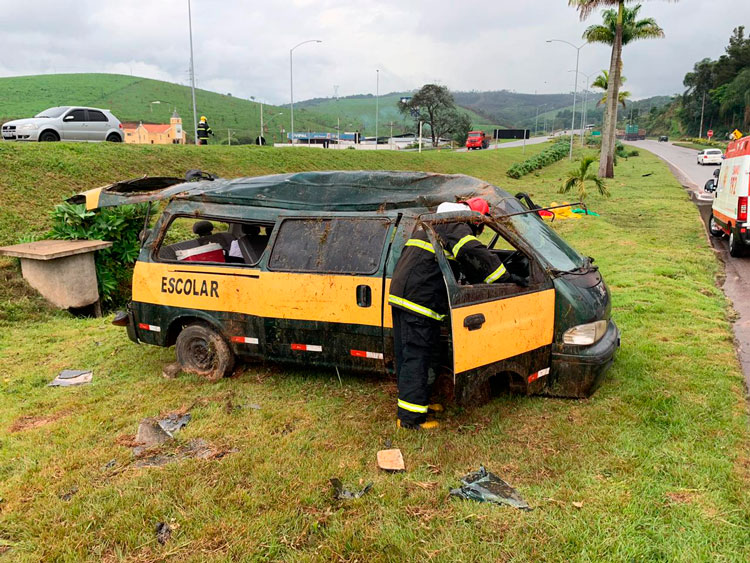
x=546, y=242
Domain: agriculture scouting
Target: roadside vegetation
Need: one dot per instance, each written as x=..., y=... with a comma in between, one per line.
x=654, y=466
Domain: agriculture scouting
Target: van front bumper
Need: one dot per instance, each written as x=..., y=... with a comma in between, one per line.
x=577, y=370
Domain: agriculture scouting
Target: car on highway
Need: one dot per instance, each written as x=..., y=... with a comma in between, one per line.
x=295, y=268
x=710, y=156
x=66, y=123
x=729, y=210
x=663, y=139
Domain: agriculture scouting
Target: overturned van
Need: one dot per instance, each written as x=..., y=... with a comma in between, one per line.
x=296, y=268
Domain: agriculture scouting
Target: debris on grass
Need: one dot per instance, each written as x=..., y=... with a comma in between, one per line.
x=163, y=532
x=194, y=449
x=174, y=422
x=150, y=434
x=71, y=377
x=68, y=494
x=577, y=504
x=484, y=486
x=171, y=371
x=391, y=460
x=29, y=422
x=340, y=493
x=109, y=465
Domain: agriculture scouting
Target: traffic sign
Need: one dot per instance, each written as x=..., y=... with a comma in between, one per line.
x=710, y=133
x=736, y=134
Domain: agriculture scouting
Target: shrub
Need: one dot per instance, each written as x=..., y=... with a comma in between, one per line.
x=118, y=225
x=548, y=156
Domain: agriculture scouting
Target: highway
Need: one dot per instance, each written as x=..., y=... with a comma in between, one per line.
x=693, y=176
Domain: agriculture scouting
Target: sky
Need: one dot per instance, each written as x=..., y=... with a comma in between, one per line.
x=242, y=47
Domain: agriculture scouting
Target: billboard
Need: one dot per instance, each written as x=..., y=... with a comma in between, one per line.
x=512, y=134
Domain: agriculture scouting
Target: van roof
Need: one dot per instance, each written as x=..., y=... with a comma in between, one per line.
x=362, y=190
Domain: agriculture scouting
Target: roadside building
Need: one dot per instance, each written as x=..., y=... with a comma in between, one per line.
x=156, y=133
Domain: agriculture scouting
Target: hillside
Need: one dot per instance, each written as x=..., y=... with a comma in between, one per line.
x=129, y=99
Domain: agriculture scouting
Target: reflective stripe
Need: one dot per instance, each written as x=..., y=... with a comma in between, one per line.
x=411, y=407
x=462, y=242
x=495, y=275
x=411, y=306
x=423, y=244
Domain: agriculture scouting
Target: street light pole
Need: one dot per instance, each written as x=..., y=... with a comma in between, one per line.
x=377, y=102
x=291, y=80
x=192, y=75
x=575, y=90
x=585, y=101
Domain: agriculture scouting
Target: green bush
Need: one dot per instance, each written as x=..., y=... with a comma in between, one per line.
x=118, y=225
x=548, y=156
x=705, y=142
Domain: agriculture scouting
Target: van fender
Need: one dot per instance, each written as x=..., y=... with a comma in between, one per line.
x=181, y=320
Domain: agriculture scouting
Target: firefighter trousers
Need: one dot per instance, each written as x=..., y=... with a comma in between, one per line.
x=416, y=339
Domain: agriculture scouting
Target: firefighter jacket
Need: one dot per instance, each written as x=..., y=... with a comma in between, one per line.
x=204, y=130
x=418, y=286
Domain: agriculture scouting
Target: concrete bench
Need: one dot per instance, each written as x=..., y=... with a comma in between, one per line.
x=62, y=271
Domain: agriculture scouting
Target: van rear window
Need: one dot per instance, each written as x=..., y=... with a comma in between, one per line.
x=347, y=245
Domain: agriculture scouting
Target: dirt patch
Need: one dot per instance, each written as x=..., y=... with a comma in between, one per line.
x=29, y=422
x=680, y=497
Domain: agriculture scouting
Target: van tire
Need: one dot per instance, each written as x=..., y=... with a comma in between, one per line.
x=714, y=228
x=203, y=351
x=736, y=248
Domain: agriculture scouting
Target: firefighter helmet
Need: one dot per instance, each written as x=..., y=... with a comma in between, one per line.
x=478, y=204
x=203, y=118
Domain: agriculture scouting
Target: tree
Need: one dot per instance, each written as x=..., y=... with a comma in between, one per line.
x=602, y=82
x=435, y=106
x=599, y=34
x=582, y=175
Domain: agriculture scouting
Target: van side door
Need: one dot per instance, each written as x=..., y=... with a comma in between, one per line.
x=325, y=278
x=500, y=327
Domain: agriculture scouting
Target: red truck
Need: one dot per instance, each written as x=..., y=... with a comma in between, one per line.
x=477, y=140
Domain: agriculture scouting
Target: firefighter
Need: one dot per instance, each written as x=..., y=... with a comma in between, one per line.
x=204, y=130
x=419, y=302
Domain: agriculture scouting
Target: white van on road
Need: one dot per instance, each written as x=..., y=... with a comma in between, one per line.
x=729, y=211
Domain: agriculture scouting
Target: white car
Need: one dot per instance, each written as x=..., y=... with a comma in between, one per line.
x=66, y=123
x=710, y=156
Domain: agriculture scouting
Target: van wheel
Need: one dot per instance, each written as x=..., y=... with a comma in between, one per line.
x=736, y=248
x=203, y=351
x=714, y=228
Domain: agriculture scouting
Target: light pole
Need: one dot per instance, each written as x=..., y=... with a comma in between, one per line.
x=585, y=101
x=575, y=90
x=291, y=79
x=377, y=99
x=192, y=75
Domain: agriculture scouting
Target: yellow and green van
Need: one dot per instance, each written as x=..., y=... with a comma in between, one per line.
x=295, y=268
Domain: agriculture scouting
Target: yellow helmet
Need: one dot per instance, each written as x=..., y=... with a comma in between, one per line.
x=203, y=118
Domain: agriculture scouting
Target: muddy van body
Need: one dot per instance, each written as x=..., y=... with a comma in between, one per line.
x=296, y=268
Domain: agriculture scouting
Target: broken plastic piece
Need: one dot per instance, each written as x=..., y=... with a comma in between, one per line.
x=340, y=493
x=71, y=377
x=391, y=460
x=174, y=422
x=484, y=486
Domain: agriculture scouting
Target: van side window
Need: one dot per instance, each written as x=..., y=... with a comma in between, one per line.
x=200, y=240
x=346, y=245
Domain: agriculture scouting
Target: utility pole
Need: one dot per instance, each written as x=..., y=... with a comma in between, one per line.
x=420, y=136
x=260, y=139
x=377, y=100
x=192, y=75
x=536, y=119
x=575, y=90
x=291, y=81
x=703, y=106
x=229, y=136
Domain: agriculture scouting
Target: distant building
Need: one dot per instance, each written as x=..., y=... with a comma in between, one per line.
x=156, y=133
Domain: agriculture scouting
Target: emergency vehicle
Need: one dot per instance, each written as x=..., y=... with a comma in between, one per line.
x=296, y=268
x=729, y=209
x=477, y=140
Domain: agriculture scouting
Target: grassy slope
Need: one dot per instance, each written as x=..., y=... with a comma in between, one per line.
x=128, y=97
x=657, y=457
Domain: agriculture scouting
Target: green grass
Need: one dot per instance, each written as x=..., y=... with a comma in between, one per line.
x=690, y=146
x=129, y=99
x=657, y=458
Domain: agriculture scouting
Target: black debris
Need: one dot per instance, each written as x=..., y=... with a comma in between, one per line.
x=69, y=494
x=163, y=532
x=340, y=493
x=484, y=486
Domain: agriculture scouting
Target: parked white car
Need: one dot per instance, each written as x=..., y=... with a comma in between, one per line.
x=710, y=156
x=66, y=123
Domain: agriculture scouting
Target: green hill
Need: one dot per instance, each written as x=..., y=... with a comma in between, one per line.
x=129, y=99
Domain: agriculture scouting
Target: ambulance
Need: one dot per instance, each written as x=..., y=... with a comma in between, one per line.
x=729, y=211
x=295, y=268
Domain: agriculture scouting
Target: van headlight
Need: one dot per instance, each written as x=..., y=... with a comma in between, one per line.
x=583, y=335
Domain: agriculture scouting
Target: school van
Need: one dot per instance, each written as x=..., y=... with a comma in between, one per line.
x=729, y=209
x=296, y=268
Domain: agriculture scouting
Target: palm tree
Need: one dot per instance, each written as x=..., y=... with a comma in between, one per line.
x=616, y=17
x=602, y=82
x=580, y=176
x=633, y=29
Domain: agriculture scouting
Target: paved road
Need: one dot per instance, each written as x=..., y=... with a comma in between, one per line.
x=693, y=176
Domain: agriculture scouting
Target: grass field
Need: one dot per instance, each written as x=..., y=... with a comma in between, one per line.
x=654, y=466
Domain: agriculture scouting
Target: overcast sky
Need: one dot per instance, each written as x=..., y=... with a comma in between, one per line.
x=242, y=47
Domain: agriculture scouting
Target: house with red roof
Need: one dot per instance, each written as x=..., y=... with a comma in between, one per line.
x=156, y=133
